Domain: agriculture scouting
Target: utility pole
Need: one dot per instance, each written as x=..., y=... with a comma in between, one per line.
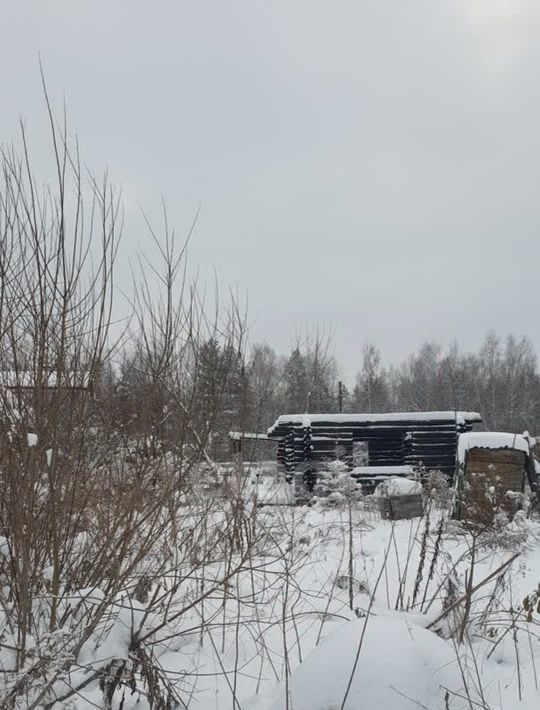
x=340, y=396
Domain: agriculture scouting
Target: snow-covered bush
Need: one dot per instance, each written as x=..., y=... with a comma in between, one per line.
x=437, y=488
x=512, y=533
x=335, y=487
x=99, y=443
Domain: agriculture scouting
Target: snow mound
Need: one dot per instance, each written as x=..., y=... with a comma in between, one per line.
x=398, y=487
x=401, y=666
x=491, y=440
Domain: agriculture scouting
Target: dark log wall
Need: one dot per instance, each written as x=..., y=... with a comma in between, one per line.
x=390, y=443
x=434, y=447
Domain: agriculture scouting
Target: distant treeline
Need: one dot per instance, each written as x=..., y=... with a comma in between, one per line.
x=501, y=381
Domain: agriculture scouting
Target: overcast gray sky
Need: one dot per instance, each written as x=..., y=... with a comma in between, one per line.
x=367, y=165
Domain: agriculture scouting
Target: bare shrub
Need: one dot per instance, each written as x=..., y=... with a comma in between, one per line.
x=100, y=443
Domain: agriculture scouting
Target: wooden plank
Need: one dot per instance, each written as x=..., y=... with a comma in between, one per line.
x=496, y=456
x=487, y=479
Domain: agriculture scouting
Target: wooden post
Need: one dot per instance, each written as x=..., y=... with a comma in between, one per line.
x=340, y=396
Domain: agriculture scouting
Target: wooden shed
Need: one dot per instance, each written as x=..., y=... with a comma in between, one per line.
x=493, y=470
x=374, y=446
x=252, y=446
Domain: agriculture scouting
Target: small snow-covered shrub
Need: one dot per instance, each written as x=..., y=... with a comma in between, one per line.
x=513, y=534
x=436, y=486
x=335, y=487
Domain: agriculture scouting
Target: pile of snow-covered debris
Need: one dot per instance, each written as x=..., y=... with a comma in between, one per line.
x=399, y=487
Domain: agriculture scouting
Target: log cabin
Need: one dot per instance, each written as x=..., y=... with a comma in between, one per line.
x=374, y=446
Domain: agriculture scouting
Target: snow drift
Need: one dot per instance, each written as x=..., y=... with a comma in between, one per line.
x=400, y=666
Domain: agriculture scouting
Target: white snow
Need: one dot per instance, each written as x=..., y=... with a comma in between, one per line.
x=491, y=440
x=398, y=487
x=48, y=572
x=112, y=637
x=270, y=490
x=380, y=470
x=400, y=666
x=238, y=435
x=32, y=439
x=307, y=420
x=4, y=546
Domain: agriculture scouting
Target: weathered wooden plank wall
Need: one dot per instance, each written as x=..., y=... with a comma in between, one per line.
x=488, y=476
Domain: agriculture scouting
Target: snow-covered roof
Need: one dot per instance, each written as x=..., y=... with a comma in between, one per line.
x=237, y=435
x=491, y=440
x=398, y=487
x=306, y=420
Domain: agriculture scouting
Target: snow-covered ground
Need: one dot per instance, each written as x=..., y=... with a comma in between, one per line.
x=282, y=633
x=329, y=609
